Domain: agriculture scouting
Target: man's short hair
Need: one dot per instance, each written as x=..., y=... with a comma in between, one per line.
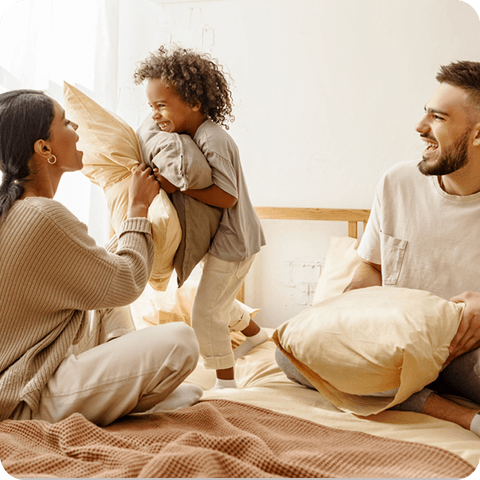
x=463, y=74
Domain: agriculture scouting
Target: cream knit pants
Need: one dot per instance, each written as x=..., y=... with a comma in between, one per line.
x=131, y=373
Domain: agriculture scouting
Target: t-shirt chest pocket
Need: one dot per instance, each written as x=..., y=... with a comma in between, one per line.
x=393, y=251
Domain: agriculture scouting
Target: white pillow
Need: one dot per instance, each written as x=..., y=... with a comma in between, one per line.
x=340, y=264
x=371, y=340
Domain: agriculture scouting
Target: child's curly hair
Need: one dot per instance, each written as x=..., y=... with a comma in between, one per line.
x=197, y=78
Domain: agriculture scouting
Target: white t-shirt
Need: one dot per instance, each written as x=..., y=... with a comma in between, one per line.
x=423, y=237
x=239, y=235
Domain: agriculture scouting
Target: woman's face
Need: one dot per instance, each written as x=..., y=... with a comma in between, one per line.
x=63, y=141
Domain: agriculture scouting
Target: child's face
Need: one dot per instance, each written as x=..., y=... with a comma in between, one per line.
x=169, y=111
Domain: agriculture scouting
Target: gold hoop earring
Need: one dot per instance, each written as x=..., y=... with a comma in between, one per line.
x=54, y=160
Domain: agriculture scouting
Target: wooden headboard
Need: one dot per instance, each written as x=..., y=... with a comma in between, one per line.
x=351, y=216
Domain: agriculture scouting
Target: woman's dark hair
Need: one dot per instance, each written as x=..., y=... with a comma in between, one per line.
x=197, y=78
x=25, y=117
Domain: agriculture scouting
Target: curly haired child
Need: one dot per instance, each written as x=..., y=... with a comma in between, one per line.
x=188, y=93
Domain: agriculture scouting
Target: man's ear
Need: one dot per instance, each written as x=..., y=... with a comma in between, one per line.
x=476, y=135
x=197, y=107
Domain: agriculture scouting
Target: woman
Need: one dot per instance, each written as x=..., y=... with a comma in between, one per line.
x=56, y=283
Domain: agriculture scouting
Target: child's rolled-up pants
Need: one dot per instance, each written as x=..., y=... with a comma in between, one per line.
x=215, y=311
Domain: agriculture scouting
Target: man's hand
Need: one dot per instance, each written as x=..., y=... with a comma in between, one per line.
x=468, y=333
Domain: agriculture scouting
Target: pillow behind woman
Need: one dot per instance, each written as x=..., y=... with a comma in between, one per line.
x=182, y=231
x=111, y=155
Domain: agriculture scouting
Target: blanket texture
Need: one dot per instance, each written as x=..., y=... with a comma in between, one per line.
x=215, y=438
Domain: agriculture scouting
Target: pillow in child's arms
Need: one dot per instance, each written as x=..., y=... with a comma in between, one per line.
x=177, y=157
x=111, y=153
x=199, y=223
x=182, y=163
x=368, y=341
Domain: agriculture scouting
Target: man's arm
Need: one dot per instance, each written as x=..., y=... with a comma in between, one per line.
x=367, y=274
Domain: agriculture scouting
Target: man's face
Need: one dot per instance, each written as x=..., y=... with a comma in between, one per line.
x=446, y=130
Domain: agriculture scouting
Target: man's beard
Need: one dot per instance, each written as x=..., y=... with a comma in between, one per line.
x=450, y=161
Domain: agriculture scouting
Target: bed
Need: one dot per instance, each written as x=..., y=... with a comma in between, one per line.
x=268, y=427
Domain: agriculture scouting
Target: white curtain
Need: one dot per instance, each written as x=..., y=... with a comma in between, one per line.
x=46, y=42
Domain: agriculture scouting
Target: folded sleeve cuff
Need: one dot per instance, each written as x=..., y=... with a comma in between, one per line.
x=138, y=224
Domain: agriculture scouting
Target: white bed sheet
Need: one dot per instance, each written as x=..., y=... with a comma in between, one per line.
x=263, y=384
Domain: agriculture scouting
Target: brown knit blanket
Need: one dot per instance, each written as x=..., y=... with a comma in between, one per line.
x=215, y=438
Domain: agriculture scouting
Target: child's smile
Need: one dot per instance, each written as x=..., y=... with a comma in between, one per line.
x=169, y=111
x=164, y=125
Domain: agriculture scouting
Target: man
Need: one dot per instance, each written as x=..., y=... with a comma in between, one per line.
x=424, y=233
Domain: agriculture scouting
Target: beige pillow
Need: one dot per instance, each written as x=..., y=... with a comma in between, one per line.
x=177, y=157
x=181, y=162
x=372, y=340
x=340, y=264
x=111, y=155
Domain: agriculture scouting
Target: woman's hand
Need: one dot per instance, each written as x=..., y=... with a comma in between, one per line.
x=468, y=333
x=143, y=189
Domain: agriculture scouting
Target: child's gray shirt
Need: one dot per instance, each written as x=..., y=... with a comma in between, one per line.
x=239, y=234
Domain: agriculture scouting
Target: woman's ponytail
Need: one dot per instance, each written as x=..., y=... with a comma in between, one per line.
x=25, y=117
x=10, y=191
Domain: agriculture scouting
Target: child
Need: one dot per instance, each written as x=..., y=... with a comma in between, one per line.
x=188, y=93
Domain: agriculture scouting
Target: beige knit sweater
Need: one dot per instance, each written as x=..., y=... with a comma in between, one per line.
x=51, y=272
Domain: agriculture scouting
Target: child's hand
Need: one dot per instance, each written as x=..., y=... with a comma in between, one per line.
x=165, y=184
x=143, y=189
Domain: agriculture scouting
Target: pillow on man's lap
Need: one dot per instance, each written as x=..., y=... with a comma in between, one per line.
x=355, y=345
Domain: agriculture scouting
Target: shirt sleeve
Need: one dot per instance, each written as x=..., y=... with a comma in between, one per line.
x=133, y=260
x=370, y=248
x=223, y=174
x=81, y=275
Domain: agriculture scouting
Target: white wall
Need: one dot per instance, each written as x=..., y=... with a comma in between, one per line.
x=327, y=94
x=327, y=91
